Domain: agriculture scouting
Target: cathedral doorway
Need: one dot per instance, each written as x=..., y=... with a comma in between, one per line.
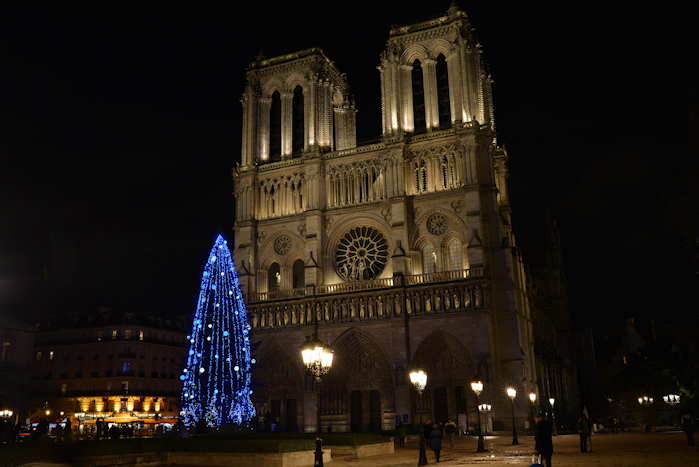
x=359, y=388
x=291, y=416
x=356, y=411
x=374, y=411
x=440, y=404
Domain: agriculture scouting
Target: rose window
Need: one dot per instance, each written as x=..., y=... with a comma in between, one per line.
x=282, y=245
x=437, y=224
x=361, y=254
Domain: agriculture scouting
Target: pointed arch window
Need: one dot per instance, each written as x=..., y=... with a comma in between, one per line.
x=297, y=121
x=299, y=274
x=275, y=127
x=429, y=259
x=419, y=122
x=420, y=176
x=456, y=255
x=443, y=103
x=274, y=277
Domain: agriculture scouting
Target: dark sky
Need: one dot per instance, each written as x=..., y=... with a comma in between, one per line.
x=120, y=126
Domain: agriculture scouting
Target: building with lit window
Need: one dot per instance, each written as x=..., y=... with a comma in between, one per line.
x=122, y=367
x=16, y=352
x=401, y=252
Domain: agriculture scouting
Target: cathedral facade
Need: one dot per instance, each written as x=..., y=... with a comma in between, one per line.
x=400, y=253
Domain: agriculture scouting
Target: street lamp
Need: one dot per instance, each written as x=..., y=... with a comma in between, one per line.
x=6, y=413
x=532, y=408
x=645, y=401
x=418, y=378
x=552, y=401
x=672, y=399
x=47, y=412
x=485, y=409
x=477, y=387
x=512, y=393
x=318, y=359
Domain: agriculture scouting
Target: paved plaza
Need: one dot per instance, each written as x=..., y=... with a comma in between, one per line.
x=608, y=450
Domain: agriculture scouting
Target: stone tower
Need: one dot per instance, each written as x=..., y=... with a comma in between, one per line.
x=401, y=252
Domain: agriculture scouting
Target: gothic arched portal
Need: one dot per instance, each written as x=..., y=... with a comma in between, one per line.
x=359, y=388
x=449, y=368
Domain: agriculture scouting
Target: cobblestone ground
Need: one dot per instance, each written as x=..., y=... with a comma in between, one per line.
x=608, y=450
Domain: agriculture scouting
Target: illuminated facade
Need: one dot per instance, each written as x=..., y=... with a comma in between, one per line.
x=401, y=251
x=123, y=372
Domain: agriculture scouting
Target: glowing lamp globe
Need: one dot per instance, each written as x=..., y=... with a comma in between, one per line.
x=418, y=378
x=317, y=357
x=511, y=392
x=477, y=387
x=532, y=397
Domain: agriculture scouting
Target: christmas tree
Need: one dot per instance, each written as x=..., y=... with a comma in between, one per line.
x=218, y=374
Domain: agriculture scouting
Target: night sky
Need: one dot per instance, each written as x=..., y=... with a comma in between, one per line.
x=120, y=127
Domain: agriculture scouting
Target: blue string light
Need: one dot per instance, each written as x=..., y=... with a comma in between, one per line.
x=217, y=390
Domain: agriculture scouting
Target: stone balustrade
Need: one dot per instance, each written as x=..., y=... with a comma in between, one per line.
x=447, y=292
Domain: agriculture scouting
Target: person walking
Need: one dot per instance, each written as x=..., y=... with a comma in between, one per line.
x=435, y=440
x=544, y=439
x=450, y=431
x=688, y=428
x=585, y=432
x=402, y=434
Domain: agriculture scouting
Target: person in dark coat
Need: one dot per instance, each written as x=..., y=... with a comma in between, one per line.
x=585, y=432
x=688, y=428
x=544, y=439
x=435, y=440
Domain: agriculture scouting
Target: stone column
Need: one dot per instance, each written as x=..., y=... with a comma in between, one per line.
x=406, y=81
x=385, y=109
x=263, y=127
x=310, y=126
x=286, y=124
x=245, y=156
x=455, y=87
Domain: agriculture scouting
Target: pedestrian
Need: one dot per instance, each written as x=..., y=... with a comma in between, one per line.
x=402, y=434
x=688, y=428
x=100, y=427
x=435, y=438
x=585, y=432
x=68, y=431
x=450, y=431
x=544, y=439
x=427, y=429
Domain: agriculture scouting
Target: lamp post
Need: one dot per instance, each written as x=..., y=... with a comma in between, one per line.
x=645, y=402
x=552, y=401
x=512, y=393
x=532, y=408
x=672, y=400
x=477, y=387
x=318, y=359
x=485, y=409
x=418, y=378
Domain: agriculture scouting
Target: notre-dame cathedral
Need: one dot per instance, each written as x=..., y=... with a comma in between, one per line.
x=401, y=252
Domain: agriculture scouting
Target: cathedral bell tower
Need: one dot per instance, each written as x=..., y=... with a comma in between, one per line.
x=294, y=103
x=296, y=107
x=433, y=76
